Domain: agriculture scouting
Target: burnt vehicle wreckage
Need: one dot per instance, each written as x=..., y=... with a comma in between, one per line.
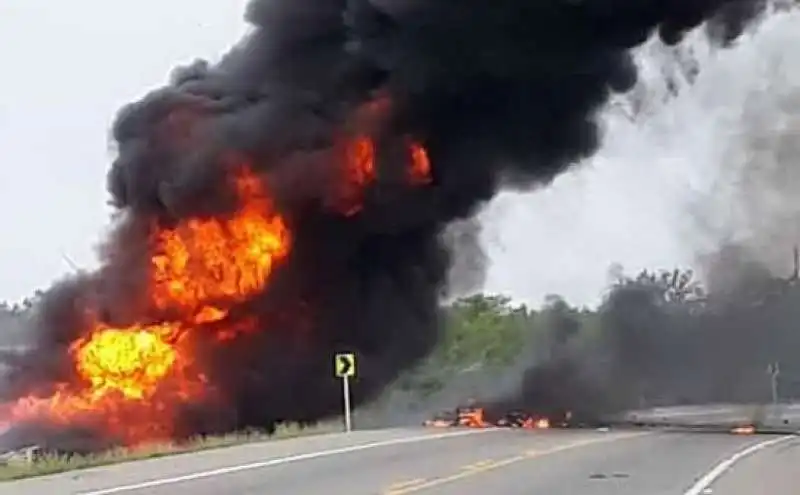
x=473, y=415
x=737, y=419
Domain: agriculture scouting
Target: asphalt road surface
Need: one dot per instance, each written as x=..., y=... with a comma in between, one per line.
x=415, y=461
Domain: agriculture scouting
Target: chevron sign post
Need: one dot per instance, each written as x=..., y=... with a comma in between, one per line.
x=344, y=365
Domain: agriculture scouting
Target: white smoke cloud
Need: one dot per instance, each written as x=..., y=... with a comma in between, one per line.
x=701, y=151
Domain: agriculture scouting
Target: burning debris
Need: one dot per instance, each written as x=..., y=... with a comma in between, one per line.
x=289, y=202
x=744, y=430
x=474, y=416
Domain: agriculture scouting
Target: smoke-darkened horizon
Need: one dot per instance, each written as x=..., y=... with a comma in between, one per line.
x=659, y=339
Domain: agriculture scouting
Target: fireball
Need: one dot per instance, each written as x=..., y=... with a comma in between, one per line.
x=199, y=269
x=131, y=381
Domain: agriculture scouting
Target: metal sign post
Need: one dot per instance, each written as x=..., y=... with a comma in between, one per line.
x=344, y=368
x=348, y=426
x=774, y=371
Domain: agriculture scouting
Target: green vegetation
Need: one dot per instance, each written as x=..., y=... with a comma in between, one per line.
x=486, y=331
x=50, y=464
x=491, y=333
x=654, y=339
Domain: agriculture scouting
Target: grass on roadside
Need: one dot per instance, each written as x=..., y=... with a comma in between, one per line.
x=50, y=464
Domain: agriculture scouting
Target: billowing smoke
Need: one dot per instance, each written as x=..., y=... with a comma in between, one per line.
x=487, y=94
x=660, y=340
x=677, y=338
x=755, y=205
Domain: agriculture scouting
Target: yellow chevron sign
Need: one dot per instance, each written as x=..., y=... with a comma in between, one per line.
x=345, y=365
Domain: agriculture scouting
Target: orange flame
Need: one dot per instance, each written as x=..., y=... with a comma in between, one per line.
x=132, y=378
x=420, y=171
x=361, y=160
x=209, y=259
x=131, y=362
x=359, y=157
x=355, y=148
x=359, y=171
x=472, y=418
x=744, y=430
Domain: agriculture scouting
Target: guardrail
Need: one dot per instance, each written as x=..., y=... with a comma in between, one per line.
x=765, y=417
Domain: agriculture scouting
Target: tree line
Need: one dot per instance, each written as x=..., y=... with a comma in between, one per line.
x=658, y=338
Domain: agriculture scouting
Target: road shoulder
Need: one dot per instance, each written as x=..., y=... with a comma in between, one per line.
x=771, y=470
x=217, y=461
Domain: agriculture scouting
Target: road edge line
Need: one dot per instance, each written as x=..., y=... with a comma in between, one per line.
x=501, y=463
x=278, y=461
x=723, y=467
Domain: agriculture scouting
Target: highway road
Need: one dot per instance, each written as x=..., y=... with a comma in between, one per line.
x=456, y=462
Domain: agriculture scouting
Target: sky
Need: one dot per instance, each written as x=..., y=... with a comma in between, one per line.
x=716, y=163
x=69, y=66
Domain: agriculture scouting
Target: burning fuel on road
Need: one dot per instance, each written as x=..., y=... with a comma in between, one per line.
x=478, y=416
x=289, y=202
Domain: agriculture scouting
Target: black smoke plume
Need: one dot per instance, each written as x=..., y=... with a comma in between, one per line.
x=660, y=339
x=502, y=93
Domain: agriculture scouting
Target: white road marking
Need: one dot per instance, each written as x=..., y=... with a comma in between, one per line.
x=278, y=461
x=717, y=471
x=492, y=465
